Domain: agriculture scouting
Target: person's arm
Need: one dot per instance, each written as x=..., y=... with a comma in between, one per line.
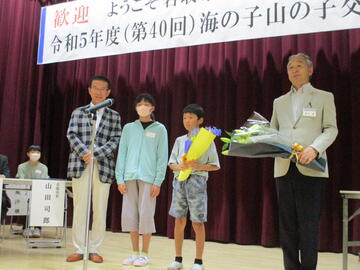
x=20, y=172
x=177, y=167
x=202, y=167
x=329, y=126
x=111, y=145
x=45, y=173
x=212, y=163
x=72, y=135
x=4, y=170
x=120, y=163
x=121, y=158
x=162, y=157
x=328, y=135
x=173, y=163
x=161, y=163
x=274, y=123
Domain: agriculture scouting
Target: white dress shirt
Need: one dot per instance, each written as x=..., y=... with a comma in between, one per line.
x=297, y=100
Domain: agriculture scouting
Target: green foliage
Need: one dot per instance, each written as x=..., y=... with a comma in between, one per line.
x=225, y=140
x=225, y=146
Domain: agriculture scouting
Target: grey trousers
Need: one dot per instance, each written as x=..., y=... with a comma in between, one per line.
x=138, y=208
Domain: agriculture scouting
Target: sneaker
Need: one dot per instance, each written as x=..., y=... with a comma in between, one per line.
x=141, y=261
x=36, y=232
x=27, y=232
x=196, y=266
x=175, y=266
x=130, y=260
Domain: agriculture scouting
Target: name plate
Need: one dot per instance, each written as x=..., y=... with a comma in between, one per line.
x=47, y=203
x=19, y=196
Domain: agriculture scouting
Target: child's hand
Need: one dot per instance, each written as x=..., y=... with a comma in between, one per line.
x=122, y=188
x=193, y=164
x=183, y=166
x=155, y=191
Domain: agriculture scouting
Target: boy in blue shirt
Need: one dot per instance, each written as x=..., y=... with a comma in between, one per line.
x=191, y=194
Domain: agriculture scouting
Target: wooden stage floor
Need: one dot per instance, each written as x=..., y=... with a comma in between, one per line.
x=14, y=254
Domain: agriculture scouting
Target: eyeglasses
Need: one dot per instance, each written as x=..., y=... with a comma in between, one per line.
x=99, y=89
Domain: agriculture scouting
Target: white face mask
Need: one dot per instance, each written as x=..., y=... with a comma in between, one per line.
x=34, y=156
x=143, y=110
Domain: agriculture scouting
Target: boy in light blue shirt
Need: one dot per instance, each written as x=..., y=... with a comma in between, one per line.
x=191, y=194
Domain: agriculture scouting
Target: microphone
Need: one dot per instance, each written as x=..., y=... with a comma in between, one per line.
x=106, y=103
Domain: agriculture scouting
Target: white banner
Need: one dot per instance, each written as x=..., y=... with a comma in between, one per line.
x=47, y=203
x=92, y=28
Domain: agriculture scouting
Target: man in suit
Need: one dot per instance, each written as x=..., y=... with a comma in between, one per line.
x=108, y=131
x=307, y=116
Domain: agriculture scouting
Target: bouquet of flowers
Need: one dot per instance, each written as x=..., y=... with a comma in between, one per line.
x=256, y=139
x=196, y=146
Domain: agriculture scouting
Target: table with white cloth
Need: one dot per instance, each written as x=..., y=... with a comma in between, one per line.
x=59, y=238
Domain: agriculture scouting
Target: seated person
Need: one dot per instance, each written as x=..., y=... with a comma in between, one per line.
x=4, y=172
x=32, y=169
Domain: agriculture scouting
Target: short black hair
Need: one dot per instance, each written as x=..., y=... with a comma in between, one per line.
x=34, y=148
x=195, y=109
x=146, y=97
x=100, y=78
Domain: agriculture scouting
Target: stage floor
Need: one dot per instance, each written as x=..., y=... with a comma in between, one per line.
x=14, y=254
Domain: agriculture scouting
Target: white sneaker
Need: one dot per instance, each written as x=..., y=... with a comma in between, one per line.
x=27, y=232
x=196, y=266
x=141, y=261
x=175, y=266
x=36, y=232
x=130, y=260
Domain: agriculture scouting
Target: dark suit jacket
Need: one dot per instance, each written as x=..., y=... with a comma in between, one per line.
x=4, y=168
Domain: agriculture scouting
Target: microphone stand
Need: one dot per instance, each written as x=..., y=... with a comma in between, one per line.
x=90, y=179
